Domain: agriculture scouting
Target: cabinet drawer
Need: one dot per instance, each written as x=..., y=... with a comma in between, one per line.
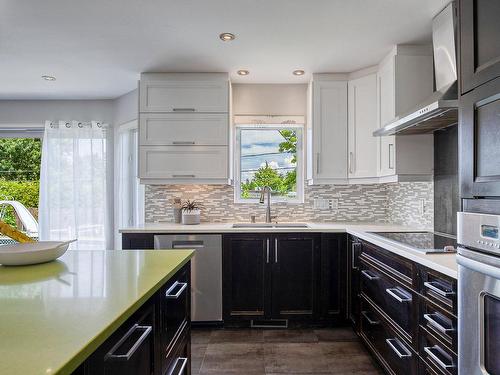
x=179, y=357
x=183, y=162
x=440, y=323
x=398, y=267
x=396, y=300
x=184, y=129
x=435, y=355
x=181, y=95
x=387, y=346
x=440, y=289
x=175, y=307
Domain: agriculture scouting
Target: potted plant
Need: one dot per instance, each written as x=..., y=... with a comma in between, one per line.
x=191, y=212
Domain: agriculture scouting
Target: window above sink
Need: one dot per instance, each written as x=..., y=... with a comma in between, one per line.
x=269, y=152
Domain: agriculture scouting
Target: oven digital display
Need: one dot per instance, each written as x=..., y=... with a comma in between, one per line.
x=489, y=231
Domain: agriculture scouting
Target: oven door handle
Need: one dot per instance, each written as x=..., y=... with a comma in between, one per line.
x=480, y=267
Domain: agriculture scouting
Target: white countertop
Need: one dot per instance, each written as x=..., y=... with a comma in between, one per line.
x=444, y=263
x=228, y=228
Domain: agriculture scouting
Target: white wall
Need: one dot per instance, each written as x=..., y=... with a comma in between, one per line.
x=126, y=107
x=270, y=99
x=37, y=111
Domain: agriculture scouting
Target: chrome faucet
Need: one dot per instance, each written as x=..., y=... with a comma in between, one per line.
x=266, y=190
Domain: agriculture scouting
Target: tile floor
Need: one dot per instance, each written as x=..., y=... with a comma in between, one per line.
x=269, y=352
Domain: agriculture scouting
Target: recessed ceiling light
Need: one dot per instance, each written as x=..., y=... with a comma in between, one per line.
x=227, y=37
x=49, y=78
x=298, y=72
x=243, y=72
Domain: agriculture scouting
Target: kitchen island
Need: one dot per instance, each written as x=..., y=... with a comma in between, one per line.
x=55, y=318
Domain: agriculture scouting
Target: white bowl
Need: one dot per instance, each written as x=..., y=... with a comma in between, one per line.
x=22, y=254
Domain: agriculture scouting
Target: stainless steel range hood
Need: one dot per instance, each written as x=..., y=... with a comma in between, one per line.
x=441, y=108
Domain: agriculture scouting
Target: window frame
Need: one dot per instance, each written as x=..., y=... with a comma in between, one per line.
x=299, y=128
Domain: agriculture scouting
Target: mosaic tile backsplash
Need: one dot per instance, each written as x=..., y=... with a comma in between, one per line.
x=398, y=203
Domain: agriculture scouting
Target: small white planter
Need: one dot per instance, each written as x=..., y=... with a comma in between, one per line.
x=191, y=217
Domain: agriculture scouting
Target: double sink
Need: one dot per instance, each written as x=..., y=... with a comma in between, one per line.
x=270, y=225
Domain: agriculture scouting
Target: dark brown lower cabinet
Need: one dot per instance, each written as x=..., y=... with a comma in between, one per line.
x=155, y=340
x=393, y=352
x=353, y=281
x=406, y=314
x=272, y=279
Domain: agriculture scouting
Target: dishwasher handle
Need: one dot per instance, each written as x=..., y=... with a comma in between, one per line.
x=187, y=244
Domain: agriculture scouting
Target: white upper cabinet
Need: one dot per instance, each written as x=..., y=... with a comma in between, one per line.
x=327, y=130
x=184, y=92
x=404, y=79
x=184, y=128
x=183, y=164
x=362, y=115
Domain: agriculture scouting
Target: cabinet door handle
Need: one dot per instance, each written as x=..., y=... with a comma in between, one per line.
x=393, y=342
x=133, y=348
x=390, y=155
x=169, y=294
x=267, y=251
x=433, y=285
x=275, y=250
x=351, y=162
x=393, y=292
x=353, y=246
x=182, y=368
x=370, y=320
x=367, y=275
x=317, y=163
x=183, y=176
x=430, y=353
x=183, y=109
x=183, y=142
x=436, y=324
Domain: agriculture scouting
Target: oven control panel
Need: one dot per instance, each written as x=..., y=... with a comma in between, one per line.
x=479, y=231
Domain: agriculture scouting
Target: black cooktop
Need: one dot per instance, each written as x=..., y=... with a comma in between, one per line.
x=426, y=242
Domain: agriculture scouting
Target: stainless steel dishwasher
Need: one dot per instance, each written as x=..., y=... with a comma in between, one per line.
x=206, y=272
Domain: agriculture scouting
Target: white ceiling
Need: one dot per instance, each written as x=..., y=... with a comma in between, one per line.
x=97, y=48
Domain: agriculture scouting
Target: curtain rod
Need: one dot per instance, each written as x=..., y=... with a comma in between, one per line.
x=80, y=124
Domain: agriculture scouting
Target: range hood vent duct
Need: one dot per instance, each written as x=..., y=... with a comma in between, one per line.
x=440, y=110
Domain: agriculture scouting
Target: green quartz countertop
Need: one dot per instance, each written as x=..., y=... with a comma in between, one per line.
x=54, y=315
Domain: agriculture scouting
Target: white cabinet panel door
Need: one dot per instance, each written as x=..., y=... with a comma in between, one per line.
x=184, y=96
x=328, y=153
x=184, y=129
x=386, y=113
x=363, y=146
x=183, y=163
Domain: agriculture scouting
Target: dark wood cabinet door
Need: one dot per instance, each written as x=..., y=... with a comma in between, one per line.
x=130, y=350
x=479, y=42
x=353, y=283
x=137, y=241
x=295, y=276
x=479, y=140
x=334, y=277
x=246, y=279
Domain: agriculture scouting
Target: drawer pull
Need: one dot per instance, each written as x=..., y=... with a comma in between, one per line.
x=438, y=288
x=169, y=294
x=367, y=275
x=369, y=320
x=183, y=176
x=184, y=110
x=183, y=142
x=133, y=348
x=398, y=295
x=430, y=352
x=431, y=318
x=393, y=342
x=182, y=368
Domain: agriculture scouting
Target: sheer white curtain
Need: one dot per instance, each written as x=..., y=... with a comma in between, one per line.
x=73, y=184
